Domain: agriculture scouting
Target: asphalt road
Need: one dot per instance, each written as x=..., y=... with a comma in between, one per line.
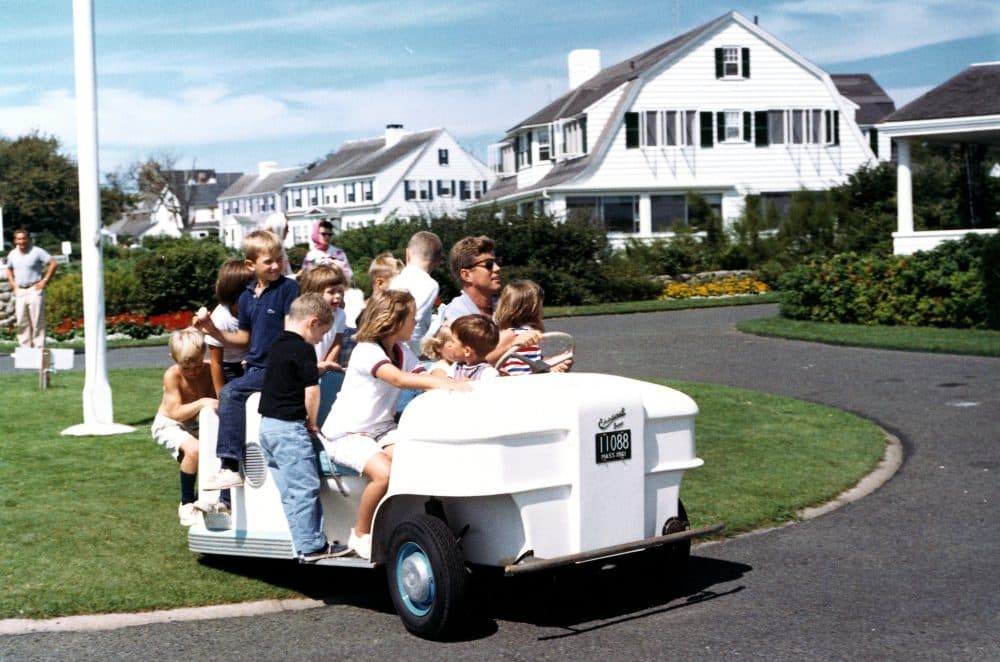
x=910, y=572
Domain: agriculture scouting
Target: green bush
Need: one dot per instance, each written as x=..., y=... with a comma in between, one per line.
x=179, y=274
x=64, y=296
x=944, y=288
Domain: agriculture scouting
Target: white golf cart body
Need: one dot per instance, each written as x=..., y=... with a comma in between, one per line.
x=526, y=473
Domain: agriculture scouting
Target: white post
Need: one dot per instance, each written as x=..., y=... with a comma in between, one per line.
x=97, y=408
x=1, y=231
x=904, y=189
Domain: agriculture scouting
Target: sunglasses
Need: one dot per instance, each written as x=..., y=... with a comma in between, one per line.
x=326, y=234
x=486, y=264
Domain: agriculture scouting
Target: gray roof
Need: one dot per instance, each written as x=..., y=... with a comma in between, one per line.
x=359, y=158
x=862, y=89
x=972, y=93
x=207, y=195
x=254, y=184
x=587, y=93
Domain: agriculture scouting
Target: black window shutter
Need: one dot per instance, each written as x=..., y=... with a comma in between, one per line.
x=430, y=190
x=705, y=119
x=719, y=64
x=746, y=62
x=528, y=137
x=407, y=194
x=873, y=140
x=836, y=127
x=720, y=126
x=760, y=138
x=746, y=126
x=631, y=130
x=582, y=122
x=828, y=117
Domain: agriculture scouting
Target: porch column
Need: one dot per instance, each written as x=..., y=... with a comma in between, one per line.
x=904, y=188
x=645, y=215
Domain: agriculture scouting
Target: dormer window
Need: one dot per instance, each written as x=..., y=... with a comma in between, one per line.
x=732, y=62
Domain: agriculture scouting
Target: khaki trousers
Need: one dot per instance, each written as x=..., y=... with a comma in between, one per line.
x=29, y=316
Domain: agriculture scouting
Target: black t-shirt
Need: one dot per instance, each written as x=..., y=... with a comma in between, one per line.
x=291, y=367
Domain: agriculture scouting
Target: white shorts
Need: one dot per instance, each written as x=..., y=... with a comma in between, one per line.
x=170, y=434
x=355, y=450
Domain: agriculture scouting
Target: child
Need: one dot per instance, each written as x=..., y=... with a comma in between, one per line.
x=227, y=360
x=328, y=281
x=438, y=348
x=262, y=309
x=473, y=337
x=382, y=270
x=361, y=425
x=520, y=308
x=288, y=403
x=187, y=389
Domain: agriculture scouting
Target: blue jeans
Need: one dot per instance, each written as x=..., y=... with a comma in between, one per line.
x=292, y=461
x=233, y=413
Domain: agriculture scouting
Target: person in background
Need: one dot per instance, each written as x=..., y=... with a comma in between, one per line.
x=383, y=269
x=323, y=252
x=25, y=267
x=327, y=280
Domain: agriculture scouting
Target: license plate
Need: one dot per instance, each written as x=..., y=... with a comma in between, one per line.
x=613, y=446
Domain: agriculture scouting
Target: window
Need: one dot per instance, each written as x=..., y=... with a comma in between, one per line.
x=544, y=138
x=445, y=187
x=574, y=137
x=733, y=125
x=408, y=191
x=776, y=126
x=732, y=62
x=631, y=130
x=816, y=128
x=465, y=192
x=797, y=127
x=314, y=196
x=366, y=191
x=297, y=197
x=523, y=142
x=442, y=157
x=649, y=128
x=617, y=213
x=479, y=188
x=349, y=193
x=666, y=210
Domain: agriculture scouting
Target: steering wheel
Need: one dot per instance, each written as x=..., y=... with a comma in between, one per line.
x=556, y=348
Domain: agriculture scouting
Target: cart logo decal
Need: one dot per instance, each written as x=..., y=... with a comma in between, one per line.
x=605, y=423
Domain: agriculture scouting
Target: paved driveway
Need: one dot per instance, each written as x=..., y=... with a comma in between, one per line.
x=910, y=572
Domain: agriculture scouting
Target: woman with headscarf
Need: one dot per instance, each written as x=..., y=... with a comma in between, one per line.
x=323, y=252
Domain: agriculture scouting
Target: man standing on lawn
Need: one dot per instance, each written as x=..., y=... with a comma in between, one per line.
x=25, y=265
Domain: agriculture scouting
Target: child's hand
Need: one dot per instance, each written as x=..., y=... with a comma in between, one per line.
x=210, y=402
x=329, y=366
x=460, y=386
x=530, y=337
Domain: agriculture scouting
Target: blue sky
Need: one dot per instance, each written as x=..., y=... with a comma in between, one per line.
x=225, y=84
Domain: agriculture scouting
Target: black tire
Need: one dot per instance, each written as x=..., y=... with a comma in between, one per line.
x=427, y=578
x=676, y=556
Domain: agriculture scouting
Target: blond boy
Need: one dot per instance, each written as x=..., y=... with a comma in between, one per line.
x=187, y=389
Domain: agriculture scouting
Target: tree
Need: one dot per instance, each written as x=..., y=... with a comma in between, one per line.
x=39, y=189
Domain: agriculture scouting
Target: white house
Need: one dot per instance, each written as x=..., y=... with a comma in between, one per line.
x=255, y=201
x=725, y=110
x=151, y=216
x=401, y=173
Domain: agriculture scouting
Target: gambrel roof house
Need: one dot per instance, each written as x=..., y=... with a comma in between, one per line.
x=724, y=110
x=401, y=173
x=255, y=201
x=874, y=105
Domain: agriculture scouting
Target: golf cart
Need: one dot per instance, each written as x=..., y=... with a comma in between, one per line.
x=525, y=474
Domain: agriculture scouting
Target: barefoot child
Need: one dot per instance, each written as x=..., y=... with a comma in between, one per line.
x=187, y=389
x=361, y=424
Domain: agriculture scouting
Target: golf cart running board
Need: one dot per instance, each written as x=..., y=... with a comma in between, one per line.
x=531, y=564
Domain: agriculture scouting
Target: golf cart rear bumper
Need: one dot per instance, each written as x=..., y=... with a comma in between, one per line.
x=532, y=564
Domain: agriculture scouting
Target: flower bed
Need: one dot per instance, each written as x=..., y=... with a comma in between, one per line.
x=126, y=325
x=729, y=286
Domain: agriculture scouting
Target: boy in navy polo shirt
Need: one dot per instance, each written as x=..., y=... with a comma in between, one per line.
x=262, y=309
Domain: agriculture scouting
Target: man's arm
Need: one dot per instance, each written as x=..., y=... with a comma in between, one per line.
x=10, y=278
x=50, y=269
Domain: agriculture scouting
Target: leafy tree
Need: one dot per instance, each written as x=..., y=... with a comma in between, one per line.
x=39, y=189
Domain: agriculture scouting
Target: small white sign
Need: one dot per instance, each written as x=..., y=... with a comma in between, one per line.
x=67, y=248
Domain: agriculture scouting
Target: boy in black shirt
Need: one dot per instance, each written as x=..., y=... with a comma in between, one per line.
x=288, y=403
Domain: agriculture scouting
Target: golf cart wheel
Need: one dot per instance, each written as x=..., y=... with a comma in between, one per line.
x=676, y=556
x=426, y=574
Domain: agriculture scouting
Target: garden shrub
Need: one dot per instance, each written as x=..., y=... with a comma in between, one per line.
x=943, y=288
x=64, y=296
x=179, y=274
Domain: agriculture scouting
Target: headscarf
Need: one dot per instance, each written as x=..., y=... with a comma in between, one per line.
x=319, y=241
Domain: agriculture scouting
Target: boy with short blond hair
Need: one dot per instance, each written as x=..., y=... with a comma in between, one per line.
x=187, y=389
x=288, y=407
x=261, y=318
x=382, y=270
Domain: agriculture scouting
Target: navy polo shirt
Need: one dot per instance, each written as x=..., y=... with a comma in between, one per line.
x=264, y=316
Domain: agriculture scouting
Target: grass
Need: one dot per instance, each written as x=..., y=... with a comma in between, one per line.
x=906, y=338
x=628, y=307
x=90, y=523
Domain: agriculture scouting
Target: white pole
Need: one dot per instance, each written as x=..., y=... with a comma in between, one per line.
x=1, y=231
x=97, y=407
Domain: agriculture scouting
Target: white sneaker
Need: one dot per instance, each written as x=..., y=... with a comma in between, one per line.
x=210, y=507
x=225, y=479
x=188, y=514
x=362, y=545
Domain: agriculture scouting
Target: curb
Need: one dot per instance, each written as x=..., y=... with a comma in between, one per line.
x=892, y=459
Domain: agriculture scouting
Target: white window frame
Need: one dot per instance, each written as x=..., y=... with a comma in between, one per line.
x=543, y=138
x=734, y=131
x=731, y=56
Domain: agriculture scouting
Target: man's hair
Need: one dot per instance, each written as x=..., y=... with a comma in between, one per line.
x=21, y=231
x=384, y=314
x=232, y=280
x=426, y=245
x=309, y=305
x=320, y=277
x=187, y=346
x=464, y=253
x=325, y=224
x=261, y=242
x=520, y=304
x=478, y=332
x=385, y=265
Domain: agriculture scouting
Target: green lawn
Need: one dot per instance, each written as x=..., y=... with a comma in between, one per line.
x=90, y=523
x=906, y=338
